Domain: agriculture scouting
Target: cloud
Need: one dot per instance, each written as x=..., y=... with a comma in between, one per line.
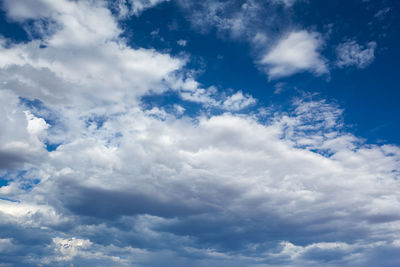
x=22, y=142
x=83, y=54
x=279, y=88
x=287, y=3
x=194, y=183
x=181, y=42
x=382, y=13
x=19, y=10
x=297, y=52
x=352, y=54
x=135, y=7
x=238, y=101
x=279, y=56
x=133, y=186
x=191, y=90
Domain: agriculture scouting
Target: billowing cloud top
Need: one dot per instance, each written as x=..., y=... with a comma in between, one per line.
x=91, y=175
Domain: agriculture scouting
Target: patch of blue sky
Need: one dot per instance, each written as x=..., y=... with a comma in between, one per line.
x=38, y=109
x=51, y=146
x=10, y=199
x=12, y=30
x=25, y=179
x=97, y=121
x=4, y=182
x=29, y=184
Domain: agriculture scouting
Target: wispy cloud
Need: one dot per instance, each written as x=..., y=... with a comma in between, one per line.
x=351, y=53
x=128, y=8
x=182, y=42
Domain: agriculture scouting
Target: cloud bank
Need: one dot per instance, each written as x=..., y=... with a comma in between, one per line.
x=90, y=177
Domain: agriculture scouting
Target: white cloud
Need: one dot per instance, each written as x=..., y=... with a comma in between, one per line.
x=191, y=90
x=21, y=10
x=352, y=54
x=181, y=42
x=297, y=52
x=129, y=186
x=210, y=173
x=238, y=101
x=135, y=7
x=21, y=142
x=85, y=55
x=225, y=16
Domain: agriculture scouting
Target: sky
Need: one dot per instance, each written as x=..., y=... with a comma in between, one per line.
x=199, y=133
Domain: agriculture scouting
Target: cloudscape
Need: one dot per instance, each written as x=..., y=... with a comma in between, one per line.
x=199, y=133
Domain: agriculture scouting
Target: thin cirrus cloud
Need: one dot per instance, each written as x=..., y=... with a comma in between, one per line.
x=352, y=54
x=132, y=186
x=128, y=8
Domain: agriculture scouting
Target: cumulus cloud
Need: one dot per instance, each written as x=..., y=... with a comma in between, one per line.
x=351, y=53
x=193, y=184
x=238, y=101
x=191, y=90
x=297, y=52
x=22, y=142
x=131, y=186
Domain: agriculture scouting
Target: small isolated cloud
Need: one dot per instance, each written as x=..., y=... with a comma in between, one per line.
x=351, y=53
x=382, y=13
x=238, y=101
x=156, y=32
x=182, y=42
x=297, y=52
x=279, y=88
x=259, y=39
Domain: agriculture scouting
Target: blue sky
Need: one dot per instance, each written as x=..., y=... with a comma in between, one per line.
x=188, y=133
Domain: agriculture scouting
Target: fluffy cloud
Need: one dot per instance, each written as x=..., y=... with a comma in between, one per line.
x=352, y=54
x=131, y=186
x=297, y=52
x=193, y=184
x=22, y=141
x=83, y=52
x=238, y=101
